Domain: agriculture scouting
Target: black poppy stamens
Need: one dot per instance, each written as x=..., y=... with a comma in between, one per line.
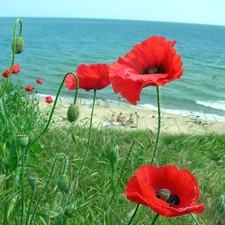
x=165, y=195
x=153, y=69
x=173, y=200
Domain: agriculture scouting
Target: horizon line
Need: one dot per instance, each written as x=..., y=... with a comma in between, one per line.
x=126, y=19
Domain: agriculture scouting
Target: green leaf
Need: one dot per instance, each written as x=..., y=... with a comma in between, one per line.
x=4, y=110
x=73, y=138
x=3, y=123
x=2, y=193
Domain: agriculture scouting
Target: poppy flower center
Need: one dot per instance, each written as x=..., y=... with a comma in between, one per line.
x=165, y=195
x=153, y=69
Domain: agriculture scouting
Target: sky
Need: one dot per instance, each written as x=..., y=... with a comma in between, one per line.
x=188, y=11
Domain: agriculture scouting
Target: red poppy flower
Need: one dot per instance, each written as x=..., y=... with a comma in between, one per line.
x=29, y=88
x=6, y=73
x=48, y=99
x=153, y=62
x=166, y=190
x=39, y=81
x=93, y=76
x=15, y=69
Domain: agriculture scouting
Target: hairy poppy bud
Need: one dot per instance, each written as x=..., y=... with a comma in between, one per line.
x=19, y=45
x=32, y=179
x=63, y=182
x=72, y=113
x=221, y=206
x=22, y=140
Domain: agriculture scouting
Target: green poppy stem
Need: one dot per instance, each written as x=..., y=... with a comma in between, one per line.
x=87, y=147
x=22, y=184
x=121, y=173
x=13, y=54
x=215, y=218
x=65, y=164
x=159, y=124
x=89, y=134
x=14, y=46
x=46, y=184
x=29, y=206
x=134, y=214
x=196, y=221
x=7, y=204
x=155, y=218
x=53, y=108
x=77, y=87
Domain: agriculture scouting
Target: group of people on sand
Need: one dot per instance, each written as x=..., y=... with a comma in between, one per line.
x=122, y=119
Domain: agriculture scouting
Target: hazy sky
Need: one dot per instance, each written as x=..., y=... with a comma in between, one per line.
x=190, y=11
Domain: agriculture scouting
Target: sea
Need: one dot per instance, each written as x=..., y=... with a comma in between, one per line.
x=56, y=46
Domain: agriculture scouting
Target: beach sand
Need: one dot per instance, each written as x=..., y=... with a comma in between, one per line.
x=143, y=119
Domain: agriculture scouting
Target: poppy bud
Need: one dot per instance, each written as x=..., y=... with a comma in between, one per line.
x=32, y=179
x=63, y=182
x=19, y=45
x=73, y=113
x=22, y=140
x=221, y=206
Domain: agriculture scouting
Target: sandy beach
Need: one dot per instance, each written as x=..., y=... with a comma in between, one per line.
x=143, y=119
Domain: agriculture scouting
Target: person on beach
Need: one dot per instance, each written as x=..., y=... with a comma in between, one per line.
x=113, y=118
x=98, y=102
x=131, y=119
x=120, y=118
x=124, y=121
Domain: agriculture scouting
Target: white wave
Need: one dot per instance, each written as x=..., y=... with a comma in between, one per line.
x=191, y=114
x=213, y=104
x=147, y=107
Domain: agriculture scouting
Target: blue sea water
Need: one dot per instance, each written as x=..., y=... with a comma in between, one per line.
x=55, y=46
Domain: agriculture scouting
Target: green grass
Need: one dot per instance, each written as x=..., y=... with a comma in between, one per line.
x=202, y=155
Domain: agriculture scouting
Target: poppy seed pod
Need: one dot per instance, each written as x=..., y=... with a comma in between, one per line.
x=72, y=113
x=32, y=179
x=19, y=42
x=22, y=140
x=63, y=182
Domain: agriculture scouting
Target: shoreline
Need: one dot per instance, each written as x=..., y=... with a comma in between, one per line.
x=147, y=107
x=143, y=119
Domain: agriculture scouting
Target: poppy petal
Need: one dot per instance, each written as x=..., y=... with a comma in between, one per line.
x=70, y=82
